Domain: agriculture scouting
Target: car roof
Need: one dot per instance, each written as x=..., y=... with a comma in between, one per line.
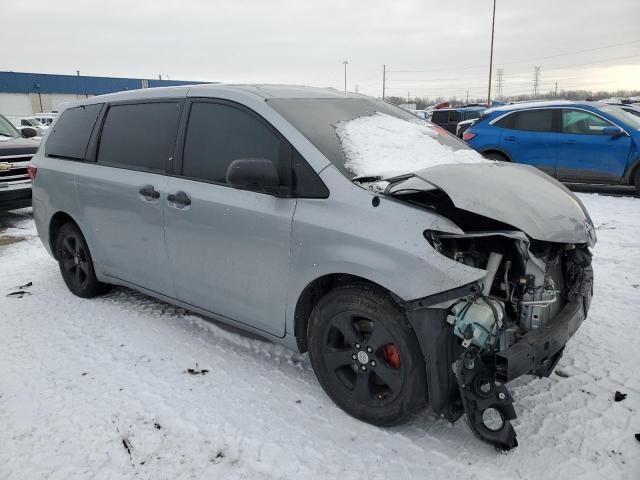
x=539, y=104
x=263, y=91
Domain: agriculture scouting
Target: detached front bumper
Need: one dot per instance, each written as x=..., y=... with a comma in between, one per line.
x=538, y=351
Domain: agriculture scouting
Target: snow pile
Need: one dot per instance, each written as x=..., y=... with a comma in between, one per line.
x=384, y=146
x=101, y=389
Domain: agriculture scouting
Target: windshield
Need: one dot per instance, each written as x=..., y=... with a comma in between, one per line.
x=7, y=130
x=367, y=137
x=621, y=115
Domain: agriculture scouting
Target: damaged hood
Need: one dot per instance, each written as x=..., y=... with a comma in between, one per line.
x=518, y=195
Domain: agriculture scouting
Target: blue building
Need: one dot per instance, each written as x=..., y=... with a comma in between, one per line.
x=23, y=94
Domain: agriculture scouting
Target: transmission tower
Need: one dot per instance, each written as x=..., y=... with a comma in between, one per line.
x=536, y=80
x=499, y=82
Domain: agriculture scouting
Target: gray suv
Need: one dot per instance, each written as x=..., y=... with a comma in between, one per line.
x=247, y=204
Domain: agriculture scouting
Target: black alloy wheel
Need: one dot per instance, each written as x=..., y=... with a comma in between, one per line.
x=76, y=265
x=366, y=355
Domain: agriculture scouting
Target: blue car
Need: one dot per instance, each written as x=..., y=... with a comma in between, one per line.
x=579, y=142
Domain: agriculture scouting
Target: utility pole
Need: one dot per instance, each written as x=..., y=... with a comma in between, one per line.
x=384, y=80
x=493, y=25
x=345, y=63
x=77, y=73
x=357, y=89
x=499, y=83
x=556, y=89
x=536, y=81
x=467, y=102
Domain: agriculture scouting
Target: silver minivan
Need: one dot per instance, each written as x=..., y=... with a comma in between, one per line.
x=412, y=270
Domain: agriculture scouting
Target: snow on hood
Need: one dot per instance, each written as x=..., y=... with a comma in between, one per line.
x=386, y=146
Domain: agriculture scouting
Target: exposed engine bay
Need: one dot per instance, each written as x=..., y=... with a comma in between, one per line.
x=517, y=319
x=527, y=284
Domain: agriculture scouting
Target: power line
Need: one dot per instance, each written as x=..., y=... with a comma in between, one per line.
x=521, y=61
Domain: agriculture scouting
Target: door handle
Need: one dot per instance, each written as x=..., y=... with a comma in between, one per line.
x=149, y=193
x=510, y=138
x=179, y=199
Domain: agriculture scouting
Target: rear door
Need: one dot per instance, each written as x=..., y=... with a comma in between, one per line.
x=586, y=154
x=122, y=194
x=531, y=137
x=229, y=247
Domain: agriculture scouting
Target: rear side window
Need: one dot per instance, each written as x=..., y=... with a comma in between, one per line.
x=440, y=116
x=70, y=134
x=218, y=134
x=140, y=136
x=529, y=120
x=455, y=116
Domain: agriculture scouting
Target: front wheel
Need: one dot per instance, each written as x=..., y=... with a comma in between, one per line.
x=76, y=265
x=366, y=355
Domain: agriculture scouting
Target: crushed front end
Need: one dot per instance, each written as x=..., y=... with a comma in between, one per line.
x=515, y=321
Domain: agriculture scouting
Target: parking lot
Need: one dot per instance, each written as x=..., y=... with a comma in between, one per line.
x=124, y=385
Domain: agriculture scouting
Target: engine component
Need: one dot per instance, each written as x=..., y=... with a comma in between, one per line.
x=477, y=321
x=487, y=405
x=492, y=268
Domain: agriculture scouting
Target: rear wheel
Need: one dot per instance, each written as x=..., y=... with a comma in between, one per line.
x=76, y=265
x=497, y=156
x=366, y=356
x=636, y=180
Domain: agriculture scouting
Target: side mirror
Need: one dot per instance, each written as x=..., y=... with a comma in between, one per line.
x=612, y=131
x=28, y=132
x=255, y=173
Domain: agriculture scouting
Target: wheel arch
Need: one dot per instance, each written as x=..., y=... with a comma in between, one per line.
x=314, y=291
x=58, y=219
x=498, y=151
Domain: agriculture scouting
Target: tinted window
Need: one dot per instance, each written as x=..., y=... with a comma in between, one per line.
x=471, y=115
x=306, y=182
x=455, y=116
x=581, y=122
x=70, y=135
x=140, y=136
x=440, y=116
x=534, y=120
x=218, y=134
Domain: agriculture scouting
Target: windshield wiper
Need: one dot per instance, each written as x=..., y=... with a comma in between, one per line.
x=367, y=179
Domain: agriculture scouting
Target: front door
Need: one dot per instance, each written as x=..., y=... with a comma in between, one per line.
x=229, y=247
x=586, y=154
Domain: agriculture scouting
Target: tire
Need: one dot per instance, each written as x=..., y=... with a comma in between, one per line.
x=499, y=157
x=636, y=181
x=386, y=381
x=76, y=265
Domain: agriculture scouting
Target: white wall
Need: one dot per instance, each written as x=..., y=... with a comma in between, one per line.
x=15, y=104
x=26, y=104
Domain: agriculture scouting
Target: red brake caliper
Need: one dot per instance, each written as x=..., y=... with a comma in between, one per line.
x=392, y=355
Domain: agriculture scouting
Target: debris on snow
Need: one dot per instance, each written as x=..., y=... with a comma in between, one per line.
x=619, y=396
x=18, y=294
x=196, y=371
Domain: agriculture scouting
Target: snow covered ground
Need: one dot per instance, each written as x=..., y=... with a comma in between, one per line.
x=99, y=389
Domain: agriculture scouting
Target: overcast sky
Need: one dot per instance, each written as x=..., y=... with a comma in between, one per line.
x=432, y=48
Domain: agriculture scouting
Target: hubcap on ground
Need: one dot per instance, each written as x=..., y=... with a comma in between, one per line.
x=363, y=355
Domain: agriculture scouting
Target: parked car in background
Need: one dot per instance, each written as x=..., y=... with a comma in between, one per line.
x=410, y=270
x=30, y=122
x=449, y=118
x=45, y=118
x=463, y=126
x=581, y=142
x=15, y=153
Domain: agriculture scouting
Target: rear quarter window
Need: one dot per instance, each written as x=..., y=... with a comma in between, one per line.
x=70, y=134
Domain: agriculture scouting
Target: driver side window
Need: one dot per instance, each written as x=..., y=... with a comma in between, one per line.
x=582, y=122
